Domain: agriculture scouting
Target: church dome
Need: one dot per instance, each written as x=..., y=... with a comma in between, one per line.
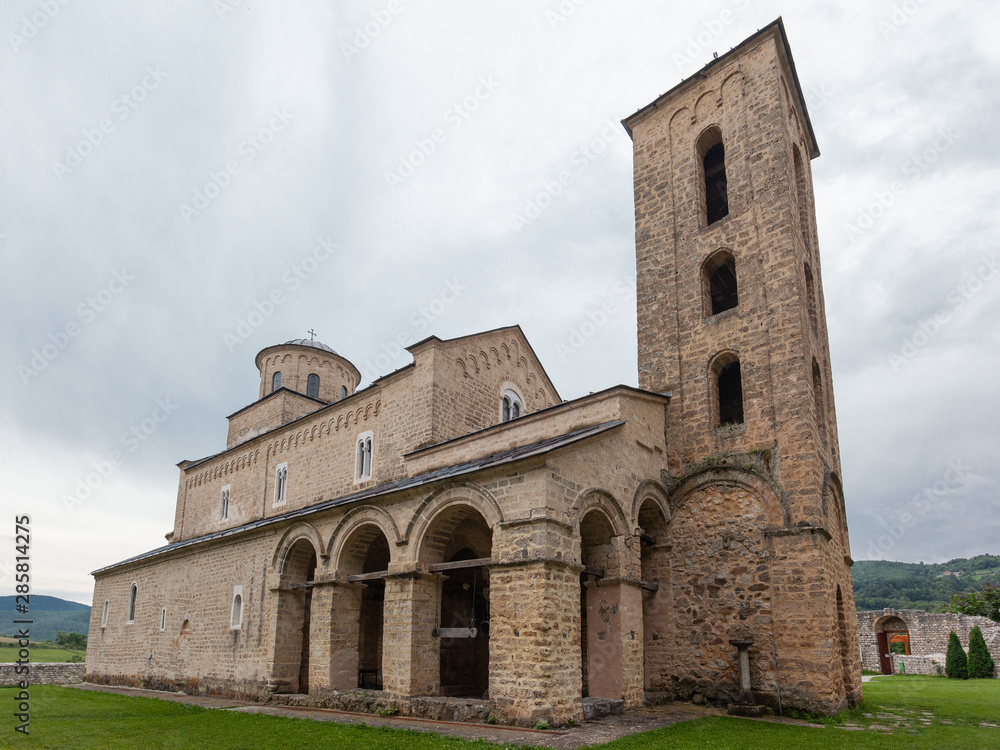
x=314, y=344
x=308, y=367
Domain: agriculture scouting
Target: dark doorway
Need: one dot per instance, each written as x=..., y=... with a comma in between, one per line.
x=465, y=604
x=884, y=661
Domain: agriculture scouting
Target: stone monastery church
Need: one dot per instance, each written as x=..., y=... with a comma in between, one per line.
x=457, y=532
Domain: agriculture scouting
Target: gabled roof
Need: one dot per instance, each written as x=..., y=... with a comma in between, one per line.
x=450, y=472
x=779, y=26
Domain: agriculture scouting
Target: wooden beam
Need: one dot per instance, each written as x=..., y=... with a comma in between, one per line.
x=596, y=572
x=650, y=586
x=478, y=563
x=303, y=585
x=367, y=576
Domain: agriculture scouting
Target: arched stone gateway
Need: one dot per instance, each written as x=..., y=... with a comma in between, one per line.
x=893, y=636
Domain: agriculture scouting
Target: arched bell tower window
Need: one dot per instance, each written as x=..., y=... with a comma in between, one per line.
x=801, y=196
x=818, y=399
x=275, y=381
x=719, y=283
x=728, y=381
x=811, y=300
x=312, y=386
x=712, y=153
x=511, y=406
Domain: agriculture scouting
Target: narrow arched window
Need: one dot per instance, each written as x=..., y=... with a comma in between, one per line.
x=224, y=506
x=811, y=300
x=719, y=282
x=280, y=483
x=104, y=614
x=511, y=406
x=312, y=386
x=343, y=391
x=728, y=381
x=275, y=381
x=236, y=611
x=133, y=595
x=712, y=152
x=163, y=619
x=818, y=399
x=801, y=195
x=363, y=457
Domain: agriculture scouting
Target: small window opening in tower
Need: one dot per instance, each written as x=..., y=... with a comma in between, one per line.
x=730, y=384
x=275, y=381
x=343, y=391
x=818, y=399
x=716, y=186
x=312, y=386
x=811, y=300
x=723, y=288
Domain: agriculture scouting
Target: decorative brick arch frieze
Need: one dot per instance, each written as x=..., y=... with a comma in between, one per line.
x=364, y=515
x=775, y=506
x=507, y=354
x=649, y=490
x=312, y=431
x=439, y=501
x=295, y=533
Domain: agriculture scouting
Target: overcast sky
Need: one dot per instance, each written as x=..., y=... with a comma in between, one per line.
x=169, y=169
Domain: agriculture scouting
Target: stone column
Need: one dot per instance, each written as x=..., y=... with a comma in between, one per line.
x=411, y=663
x=344, y=617
x=535, y=642
x=615, y=641
x=321, y=610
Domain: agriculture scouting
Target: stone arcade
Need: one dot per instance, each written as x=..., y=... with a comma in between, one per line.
x=456, y=531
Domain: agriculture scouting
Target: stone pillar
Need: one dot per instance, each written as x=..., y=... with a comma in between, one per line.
x=344, y=616
x=535, y=642
x=289, y=611
x=615, y=641
x=411, y=662
x=321, y=611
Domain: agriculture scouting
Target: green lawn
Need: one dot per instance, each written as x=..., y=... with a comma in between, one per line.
x=68, y=718
x=40, y=654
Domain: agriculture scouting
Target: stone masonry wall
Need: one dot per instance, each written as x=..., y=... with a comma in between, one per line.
x=43, y=674
x=928, y=633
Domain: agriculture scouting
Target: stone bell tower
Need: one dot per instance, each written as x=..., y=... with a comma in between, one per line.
x=731, y=323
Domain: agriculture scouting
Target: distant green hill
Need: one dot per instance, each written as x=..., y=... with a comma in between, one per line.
x=880, y=583
x=50, y=613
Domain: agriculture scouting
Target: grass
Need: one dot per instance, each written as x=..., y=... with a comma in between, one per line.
x=41, y=654
x=64, y=717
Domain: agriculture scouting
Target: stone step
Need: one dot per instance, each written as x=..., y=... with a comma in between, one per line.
x=595, y=708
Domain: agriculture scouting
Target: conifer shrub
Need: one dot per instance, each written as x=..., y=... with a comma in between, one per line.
x=956, y=663
x=980, y=663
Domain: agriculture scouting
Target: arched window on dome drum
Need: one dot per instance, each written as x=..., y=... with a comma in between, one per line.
x=275, y=382
x=343, y=391
x=312, y=386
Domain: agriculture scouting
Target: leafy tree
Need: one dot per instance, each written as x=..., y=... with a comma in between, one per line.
x=985, y=603
x=956, y=663
x=75, y=641
x=980, y=661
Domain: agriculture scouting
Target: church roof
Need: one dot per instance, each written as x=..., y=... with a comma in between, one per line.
x=486, y=462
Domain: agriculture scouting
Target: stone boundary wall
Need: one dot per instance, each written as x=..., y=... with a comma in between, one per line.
x=54, y=673
x=932, y=664
x=928, y=635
